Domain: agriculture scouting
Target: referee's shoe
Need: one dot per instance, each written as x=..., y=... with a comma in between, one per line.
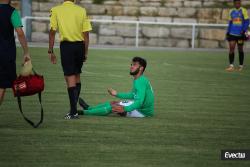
x=69, y=116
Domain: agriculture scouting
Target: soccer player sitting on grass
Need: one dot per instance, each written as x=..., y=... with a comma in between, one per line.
x=137, y=103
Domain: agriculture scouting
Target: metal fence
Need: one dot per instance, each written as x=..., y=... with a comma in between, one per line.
x=138, y=24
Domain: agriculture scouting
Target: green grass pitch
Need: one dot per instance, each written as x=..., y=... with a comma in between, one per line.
x=199, y=110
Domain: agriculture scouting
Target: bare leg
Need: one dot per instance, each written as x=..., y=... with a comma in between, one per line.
x=232, y=45
x=70, y=80
x=2, y=92
x=78, y=79
x=241, y=55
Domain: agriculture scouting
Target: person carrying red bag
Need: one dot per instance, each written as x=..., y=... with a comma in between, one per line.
x=10, y=20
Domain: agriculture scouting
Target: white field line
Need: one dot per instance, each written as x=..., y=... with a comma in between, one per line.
x=203, y=69
x=109, y=75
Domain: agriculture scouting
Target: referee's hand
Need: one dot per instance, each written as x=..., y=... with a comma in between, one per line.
x=52, y=58
x=85, y=58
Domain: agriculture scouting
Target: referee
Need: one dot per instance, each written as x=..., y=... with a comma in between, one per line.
x=10, y=20
x=73, y=25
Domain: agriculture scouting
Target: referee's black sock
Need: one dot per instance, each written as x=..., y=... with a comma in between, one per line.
x=78, y=88
x=241, y=57
x=231, y=58
x=72, y=91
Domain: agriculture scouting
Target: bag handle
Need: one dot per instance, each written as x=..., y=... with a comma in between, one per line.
x=34, y=71
x=25, y=118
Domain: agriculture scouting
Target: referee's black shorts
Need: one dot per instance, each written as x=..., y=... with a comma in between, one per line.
x=72, y=56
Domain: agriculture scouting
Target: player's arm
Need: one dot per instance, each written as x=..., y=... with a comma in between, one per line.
x=229, y=22
x=246, y=20
x=123, y=95
x=51, y=54
x=115, y=104
x=128, y=95
x=229, y=26
x=52, y=34
x=86, y=28
x=17, y=24
x=23, y=42
x=86, y=44
x=139, y=97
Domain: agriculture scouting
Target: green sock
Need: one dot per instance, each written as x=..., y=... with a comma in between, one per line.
x=99, y=105
x=103, y=110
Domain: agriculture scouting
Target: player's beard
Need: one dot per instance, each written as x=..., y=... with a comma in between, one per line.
x=135, y=72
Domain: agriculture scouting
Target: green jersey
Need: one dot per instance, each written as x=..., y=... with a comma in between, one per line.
x=143, y=96
x=16, y=19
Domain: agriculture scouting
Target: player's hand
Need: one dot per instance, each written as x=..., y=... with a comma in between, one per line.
x=244, y=35
x=118, y=109
x=26, y=58
x=112, y=92
x=52, y=58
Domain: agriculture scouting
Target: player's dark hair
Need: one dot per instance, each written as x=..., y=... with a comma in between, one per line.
x=236, y=0
x=141, y=61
